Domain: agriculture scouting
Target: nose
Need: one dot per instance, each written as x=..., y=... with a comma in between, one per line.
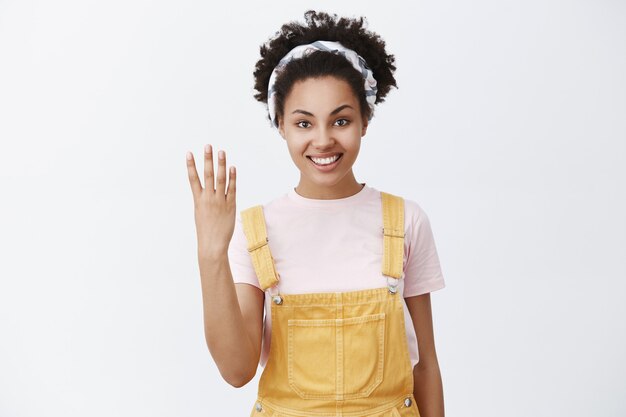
x=323, y=138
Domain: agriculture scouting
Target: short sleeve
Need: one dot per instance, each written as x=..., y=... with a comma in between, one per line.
x=239, y=258
x=422, y=272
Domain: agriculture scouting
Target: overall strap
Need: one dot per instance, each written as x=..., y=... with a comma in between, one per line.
x=393, y=230
x=256, y=235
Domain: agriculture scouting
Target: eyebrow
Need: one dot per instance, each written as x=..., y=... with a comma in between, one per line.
x=337, y=110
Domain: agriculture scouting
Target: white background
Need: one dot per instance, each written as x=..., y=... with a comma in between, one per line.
x=508, y=128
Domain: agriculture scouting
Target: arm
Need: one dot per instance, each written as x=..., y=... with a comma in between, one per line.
x=232, y=316
x=427, y=389
x=233, y=320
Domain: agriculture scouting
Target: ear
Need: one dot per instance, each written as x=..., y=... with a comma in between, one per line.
x=281, y=129
x=364, y=128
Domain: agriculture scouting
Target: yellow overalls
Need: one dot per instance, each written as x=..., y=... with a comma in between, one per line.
x=336, y=353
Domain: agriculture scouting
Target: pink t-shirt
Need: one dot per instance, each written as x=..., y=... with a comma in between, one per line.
x=335, y=246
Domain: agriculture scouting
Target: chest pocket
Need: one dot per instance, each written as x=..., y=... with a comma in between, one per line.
x=336, y=358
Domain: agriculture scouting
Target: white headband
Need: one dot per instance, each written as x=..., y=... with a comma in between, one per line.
x=330, y=46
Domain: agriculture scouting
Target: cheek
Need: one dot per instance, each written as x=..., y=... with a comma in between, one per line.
x=354, y=145
x=295, y=151
x=296, y=144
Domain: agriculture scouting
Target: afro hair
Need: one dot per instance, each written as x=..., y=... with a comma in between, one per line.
x=351, y=33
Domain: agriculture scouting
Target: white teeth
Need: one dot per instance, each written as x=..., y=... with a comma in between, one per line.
x=325, y=161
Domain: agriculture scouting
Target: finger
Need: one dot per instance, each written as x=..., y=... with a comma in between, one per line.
x=232, y=184
x=209, y=183
x=194, y=181
x=220, y=189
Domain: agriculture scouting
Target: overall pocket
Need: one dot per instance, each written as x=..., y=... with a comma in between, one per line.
x=327, y=357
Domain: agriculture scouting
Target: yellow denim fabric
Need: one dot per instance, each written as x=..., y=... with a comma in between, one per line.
x=336, y=353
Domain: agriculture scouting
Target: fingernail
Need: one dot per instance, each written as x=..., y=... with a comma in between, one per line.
x=188, y=156
x=207, y=148
x=221, y=154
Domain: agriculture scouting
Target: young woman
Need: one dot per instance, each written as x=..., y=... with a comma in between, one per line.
x=342, y=271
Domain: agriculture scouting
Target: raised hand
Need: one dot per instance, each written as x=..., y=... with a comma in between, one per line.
x=214, y=205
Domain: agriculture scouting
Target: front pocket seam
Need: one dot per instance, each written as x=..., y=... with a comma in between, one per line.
x=325, y=322
x=332, y=394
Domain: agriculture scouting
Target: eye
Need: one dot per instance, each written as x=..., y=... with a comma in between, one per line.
x=301, y=121
x=345, y=120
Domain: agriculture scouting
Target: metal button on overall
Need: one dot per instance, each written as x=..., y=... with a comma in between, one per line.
x=338, y=353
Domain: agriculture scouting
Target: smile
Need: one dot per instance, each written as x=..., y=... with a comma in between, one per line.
x=325, y=161
x=325, y=164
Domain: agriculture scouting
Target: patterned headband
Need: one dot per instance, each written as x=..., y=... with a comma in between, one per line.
x=330, y=46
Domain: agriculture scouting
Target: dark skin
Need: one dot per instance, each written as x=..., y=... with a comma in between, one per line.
x=427, y=385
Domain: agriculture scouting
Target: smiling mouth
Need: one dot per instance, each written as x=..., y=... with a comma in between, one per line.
x=338, y=158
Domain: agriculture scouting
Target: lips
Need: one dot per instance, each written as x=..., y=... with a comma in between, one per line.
x=326, y=168
x=328, y=156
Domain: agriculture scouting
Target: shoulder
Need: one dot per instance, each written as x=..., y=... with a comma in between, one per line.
x=270, y=211
x=413, y=211
x=272, y=204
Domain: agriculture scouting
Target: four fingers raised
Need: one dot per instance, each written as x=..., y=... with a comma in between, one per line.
x=209, y=174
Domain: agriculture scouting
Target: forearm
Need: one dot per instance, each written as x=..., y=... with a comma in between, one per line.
x=225, y=332
x=428, y=389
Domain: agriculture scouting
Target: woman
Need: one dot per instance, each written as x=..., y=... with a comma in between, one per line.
x=340, y=336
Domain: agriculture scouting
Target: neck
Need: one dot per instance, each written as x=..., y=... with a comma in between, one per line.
x=345, y=188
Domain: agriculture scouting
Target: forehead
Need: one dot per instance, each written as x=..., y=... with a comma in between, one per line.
x=319, y=93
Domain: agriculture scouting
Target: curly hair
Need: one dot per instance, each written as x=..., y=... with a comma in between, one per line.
x=351, y=33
